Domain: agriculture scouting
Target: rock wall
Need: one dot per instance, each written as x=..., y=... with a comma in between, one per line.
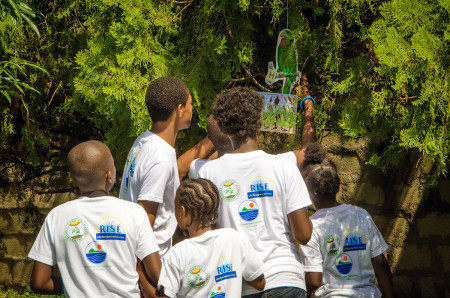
x=415, y=223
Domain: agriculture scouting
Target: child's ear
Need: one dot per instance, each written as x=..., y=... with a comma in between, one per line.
x=183, y=211
x=179, y=110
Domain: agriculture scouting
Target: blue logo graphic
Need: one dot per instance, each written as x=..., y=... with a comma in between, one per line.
x=259, y=187
x=344, y=263
x=111, y=228
x=131, y=171
x=354, y=240
x=95, y=252
x=248, y=210
x=225, y=269
x=217, y=291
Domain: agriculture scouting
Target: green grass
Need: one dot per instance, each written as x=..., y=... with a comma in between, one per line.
x=4, y=292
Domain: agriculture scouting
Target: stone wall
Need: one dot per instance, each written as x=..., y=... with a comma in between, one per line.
x=414, y=223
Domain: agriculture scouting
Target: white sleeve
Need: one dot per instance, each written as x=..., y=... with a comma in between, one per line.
x=297, y=195
x=171, y=273
x=193, y=171
x=145, y=239
x=312, y=258
x=252, y=266
x=43, y=249
x=289, y=156
x=154, y=180
x=377, y=243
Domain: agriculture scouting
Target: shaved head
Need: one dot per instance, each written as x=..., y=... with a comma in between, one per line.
x=219, y=139
x=91, y=166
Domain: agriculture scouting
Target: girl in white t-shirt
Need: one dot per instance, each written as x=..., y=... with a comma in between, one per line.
x=345, y=252
x=211, y=263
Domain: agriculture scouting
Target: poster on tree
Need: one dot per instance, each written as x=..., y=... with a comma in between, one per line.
x=279, y=112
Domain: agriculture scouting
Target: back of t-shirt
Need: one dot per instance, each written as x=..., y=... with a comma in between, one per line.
x=151, y=174
x=257, y=192
x=344, y=241
x=95, y=242
x=210, y=265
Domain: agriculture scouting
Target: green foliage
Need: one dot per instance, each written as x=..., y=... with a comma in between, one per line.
x=378, y=69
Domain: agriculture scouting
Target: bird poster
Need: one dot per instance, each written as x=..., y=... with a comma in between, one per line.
x=279, y=112
x=286, y=68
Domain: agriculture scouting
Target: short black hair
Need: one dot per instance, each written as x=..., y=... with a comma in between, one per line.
x=238, y=113
x=200, y=197
x=320, y=173
x=163, y=97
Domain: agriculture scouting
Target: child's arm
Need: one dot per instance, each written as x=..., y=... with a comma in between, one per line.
x=301, y=226
x=200, y=150
x=313, y=282
x=258, y=283
x=43, y=282
x=149, y=270
x=384, y=276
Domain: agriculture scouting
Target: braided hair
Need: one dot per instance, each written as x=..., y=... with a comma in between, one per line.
x=320, y=173
x=200, y=197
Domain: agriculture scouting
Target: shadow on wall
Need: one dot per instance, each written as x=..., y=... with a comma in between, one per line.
x=415, y=223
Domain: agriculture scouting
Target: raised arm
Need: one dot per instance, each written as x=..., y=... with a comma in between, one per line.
x=200, y=150
x=42, y=280
x=309, y=126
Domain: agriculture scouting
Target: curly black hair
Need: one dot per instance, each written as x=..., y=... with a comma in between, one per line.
x=238, y=113
x=320, y=173
x=200, y=197
x=163, y=97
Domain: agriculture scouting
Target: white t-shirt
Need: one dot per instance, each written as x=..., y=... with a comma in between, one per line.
x=151, y=174
x=95, y=242
x=196, y=164
x=258, y=191
x=210, y=265
x=344, y=241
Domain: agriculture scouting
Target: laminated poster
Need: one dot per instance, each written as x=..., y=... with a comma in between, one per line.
x=279, y=112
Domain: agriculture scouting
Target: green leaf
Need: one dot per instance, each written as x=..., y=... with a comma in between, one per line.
x=6, y=94
x=31, y=24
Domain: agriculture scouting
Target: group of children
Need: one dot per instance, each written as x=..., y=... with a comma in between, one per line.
x=242, y=212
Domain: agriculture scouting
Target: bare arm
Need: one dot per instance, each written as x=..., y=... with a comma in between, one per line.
x=301, y=225
x=151, y=208
x=309, y=126
x=200, y=150
x=384, y=276
x=313, y=281
x=148, y=271
x=259, y=283
x=43, y=282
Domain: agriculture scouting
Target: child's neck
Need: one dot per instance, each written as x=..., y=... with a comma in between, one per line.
x=166, y=130
x=196, y=229
x=326, y=204
x=250, y=145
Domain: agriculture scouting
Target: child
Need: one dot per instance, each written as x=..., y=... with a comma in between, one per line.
x=95, y=239
x=263, y=196
x=222, y=141
x=345, y=252
x=151, y=174
x=212, y=263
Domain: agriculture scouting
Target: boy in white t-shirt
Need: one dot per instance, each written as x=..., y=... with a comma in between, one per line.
x=263, y=196
x=96, y=239
x=222, y=142
x=211, y=263
x=345, y=252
